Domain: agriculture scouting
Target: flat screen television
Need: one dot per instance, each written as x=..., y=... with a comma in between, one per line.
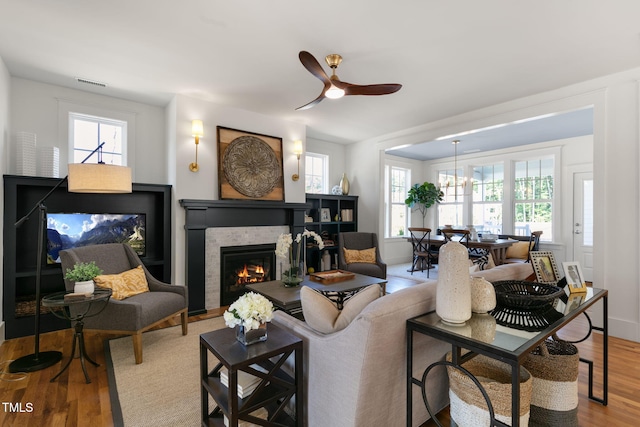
x=72, y=230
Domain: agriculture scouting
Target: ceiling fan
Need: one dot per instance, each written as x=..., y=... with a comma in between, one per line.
x=335, y=88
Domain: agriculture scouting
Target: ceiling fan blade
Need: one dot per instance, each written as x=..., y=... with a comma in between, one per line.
x=313, y=66
x=379, y=89
x=312, y=103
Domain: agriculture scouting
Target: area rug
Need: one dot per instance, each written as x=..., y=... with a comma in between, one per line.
x=165, y=389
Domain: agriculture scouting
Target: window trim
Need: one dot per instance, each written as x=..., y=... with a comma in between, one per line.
x=66, y=107
x=325, y=171
x=388, y=165
x=508, y=159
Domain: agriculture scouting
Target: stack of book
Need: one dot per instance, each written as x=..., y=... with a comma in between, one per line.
x=346, y=214
x=247, y=383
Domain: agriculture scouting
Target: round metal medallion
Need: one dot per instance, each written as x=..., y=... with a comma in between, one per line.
x=251, y=166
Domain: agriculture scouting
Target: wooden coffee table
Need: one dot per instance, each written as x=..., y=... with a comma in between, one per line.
x=288, y=299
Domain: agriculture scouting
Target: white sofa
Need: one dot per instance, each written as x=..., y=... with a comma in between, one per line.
x=357, y=376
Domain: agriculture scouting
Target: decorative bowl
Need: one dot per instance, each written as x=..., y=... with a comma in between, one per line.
x=524, y=295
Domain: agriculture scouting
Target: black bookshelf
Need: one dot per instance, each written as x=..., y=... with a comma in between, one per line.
x=21, y=193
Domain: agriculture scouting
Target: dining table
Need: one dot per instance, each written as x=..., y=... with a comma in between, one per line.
x=496, y=247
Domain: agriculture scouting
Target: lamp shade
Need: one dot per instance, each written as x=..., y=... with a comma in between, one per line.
x=197, y=128
x=297, y=147
x=99, y=178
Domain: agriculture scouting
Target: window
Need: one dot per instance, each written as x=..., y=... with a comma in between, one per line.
x=450, y=209
x=87, y=132
x=533, y=197
x=316, y=173
x=488, y=189
x=397, y=185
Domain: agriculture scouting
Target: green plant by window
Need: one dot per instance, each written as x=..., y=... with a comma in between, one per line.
x=423, y=196
x=83, y=271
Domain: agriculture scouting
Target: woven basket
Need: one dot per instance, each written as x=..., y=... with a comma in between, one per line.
x=468, y=406
x=554, y=367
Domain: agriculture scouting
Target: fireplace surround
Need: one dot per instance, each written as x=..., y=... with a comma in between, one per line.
x=206, y=218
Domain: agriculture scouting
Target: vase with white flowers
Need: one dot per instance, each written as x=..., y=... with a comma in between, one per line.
x=293, y=274
x=249, y=314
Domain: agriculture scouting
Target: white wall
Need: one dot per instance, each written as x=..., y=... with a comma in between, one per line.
x=337, y=160
x=204, y=183
x=5, y=84
x=35, y=108
x=615, y=99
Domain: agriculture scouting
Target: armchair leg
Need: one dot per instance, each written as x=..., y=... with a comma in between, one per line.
x=137, y=347
x=185, y=322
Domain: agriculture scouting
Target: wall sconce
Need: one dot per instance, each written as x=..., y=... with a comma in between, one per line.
x=297, y=150
x=197, y=131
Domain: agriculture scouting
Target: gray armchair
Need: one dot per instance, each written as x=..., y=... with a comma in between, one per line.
x=359, y=241
x=136, y=314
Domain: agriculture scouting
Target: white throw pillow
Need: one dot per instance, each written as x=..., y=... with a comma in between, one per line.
x=321, y=313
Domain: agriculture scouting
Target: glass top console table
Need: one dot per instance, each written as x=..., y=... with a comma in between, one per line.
x=510, y=343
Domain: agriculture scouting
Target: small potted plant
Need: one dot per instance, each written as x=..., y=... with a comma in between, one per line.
x=82, y=274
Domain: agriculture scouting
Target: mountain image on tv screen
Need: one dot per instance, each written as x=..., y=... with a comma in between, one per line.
x=72, y=230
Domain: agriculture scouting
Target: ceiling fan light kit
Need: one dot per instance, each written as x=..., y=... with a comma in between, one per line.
x=334, y=88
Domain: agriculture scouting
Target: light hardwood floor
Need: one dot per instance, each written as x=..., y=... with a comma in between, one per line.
x=71, y=402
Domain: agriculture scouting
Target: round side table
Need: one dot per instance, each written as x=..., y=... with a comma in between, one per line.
x=76, y=310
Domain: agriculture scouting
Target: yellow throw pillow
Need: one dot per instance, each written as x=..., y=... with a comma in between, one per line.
x=365, y=255
x=126, y=284
x=519, y=250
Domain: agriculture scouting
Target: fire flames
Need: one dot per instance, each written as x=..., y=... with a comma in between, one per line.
x=244, y=276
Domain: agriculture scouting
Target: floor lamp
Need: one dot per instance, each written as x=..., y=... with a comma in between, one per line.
x=83, y=178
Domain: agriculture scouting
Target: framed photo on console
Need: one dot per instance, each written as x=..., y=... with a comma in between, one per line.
x=575, y=277
x=544, y=265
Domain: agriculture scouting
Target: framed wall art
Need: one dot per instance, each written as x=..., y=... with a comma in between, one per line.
x=249, y=165
x=544, y=266
x=575, y=277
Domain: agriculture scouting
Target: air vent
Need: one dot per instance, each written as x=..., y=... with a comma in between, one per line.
x=90, y=82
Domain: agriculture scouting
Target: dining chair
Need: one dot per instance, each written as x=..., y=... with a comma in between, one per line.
x=456, y=235
x=463, y=236
x=420, y=241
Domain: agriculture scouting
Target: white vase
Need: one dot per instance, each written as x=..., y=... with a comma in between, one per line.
x=483, y=295
x=85, y=287
x=453, y=292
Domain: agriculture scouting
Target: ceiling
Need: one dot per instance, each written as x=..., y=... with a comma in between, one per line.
x=450, y=57
x=533, y=130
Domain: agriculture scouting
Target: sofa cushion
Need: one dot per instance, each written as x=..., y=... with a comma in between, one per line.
x=365, y=255
x=126, y=284
x=321, y=314
x=519, y=250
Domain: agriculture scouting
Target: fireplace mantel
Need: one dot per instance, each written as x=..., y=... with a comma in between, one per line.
x=203, y=214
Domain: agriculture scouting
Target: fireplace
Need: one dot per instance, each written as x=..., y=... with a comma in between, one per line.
x=243, y=265
x=213, y=224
